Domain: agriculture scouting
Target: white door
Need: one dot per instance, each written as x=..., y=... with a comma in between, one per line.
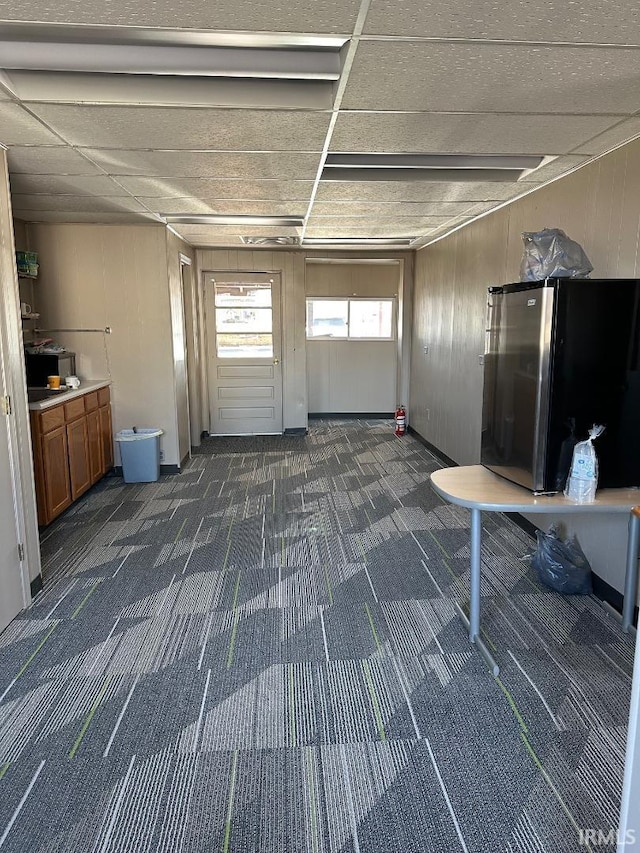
x=244, y=351
x=11, y=592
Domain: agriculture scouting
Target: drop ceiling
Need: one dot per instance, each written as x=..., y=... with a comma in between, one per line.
x=240, y=118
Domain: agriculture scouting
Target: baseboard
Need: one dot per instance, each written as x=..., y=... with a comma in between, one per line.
x=36, y=585
x=164, y=469
x=296, y=431
x=442, y=457
x=351, y=415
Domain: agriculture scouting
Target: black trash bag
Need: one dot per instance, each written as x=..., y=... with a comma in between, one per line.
x=561, y=564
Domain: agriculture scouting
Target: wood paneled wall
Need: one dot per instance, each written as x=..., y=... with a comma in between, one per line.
x=292, y=266
x=352, y=376
x=599, y=206
x=94, y=276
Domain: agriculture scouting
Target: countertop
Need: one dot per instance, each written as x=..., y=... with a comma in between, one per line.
x=475, y=487
x=86, y=386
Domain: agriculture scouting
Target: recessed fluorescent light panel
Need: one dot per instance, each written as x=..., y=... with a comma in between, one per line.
x=149, y=89
x=81, y=33
x=170, y=60
x=239, y=219
x=428, y=167
x=128, y=65
x=358, y=241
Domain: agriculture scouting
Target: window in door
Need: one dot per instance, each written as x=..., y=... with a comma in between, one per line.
x=244, y=320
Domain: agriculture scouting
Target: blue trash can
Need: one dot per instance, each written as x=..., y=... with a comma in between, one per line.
x=140, y=454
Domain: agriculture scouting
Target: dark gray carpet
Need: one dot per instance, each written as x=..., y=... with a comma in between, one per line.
x=262, y=654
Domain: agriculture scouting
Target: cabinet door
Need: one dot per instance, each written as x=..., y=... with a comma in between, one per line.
x=55, y=469
x=79, y=466
x=94, y=433
x=107, y=437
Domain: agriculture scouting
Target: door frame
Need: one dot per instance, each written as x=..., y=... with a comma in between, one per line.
x=192, y=333
x=207, y=343
x=14, y=380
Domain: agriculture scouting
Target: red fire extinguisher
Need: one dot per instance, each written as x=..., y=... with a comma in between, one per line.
x=401, y=420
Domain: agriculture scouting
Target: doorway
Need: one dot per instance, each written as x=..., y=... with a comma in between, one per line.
x=244, y=347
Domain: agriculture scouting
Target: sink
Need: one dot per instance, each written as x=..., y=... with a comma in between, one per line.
x=35, y=395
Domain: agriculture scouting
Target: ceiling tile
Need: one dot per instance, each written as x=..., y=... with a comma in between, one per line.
x=167, y=127
x=224, y=206
x=408, y=224
x=372, y=229
x=35, y=160
x=438, y=133
x=107, y=217
x=392, y=209
x=212, y=189
x=419, y=191
x=207, y=164
x=75, y=204
x=17, y=127
x=623, y=132
x=305, y=16
x=489, y=77
x=89, y=185
x=547, y=20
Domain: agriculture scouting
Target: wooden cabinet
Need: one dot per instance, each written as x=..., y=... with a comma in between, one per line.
x=94, y=441
x=72, y=450
x=56, y=483
x=79, y=468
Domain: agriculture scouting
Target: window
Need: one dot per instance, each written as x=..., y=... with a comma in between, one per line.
x=355, y=319
x=243, y=320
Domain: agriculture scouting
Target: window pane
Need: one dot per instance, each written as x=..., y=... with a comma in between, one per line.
x=371, y=318
x=244, y=346
x=243, y=319
x=241, y=295
x=327, y=318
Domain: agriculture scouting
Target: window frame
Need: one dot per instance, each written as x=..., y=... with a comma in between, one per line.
x=349, y=299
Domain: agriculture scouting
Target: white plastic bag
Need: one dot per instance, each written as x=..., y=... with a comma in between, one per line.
x=583, y=477
x=550, y=253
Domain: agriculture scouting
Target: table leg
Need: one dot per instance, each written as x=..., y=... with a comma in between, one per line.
x=473, y=623
x=631, y=576
x=474, y=606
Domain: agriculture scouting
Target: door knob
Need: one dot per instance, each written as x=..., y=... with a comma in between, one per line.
x=276, y=361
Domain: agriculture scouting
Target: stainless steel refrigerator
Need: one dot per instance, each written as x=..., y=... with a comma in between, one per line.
x=561, y=355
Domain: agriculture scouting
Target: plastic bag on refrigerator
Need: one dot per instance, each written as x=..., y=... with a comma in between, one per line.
x=550, y=253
